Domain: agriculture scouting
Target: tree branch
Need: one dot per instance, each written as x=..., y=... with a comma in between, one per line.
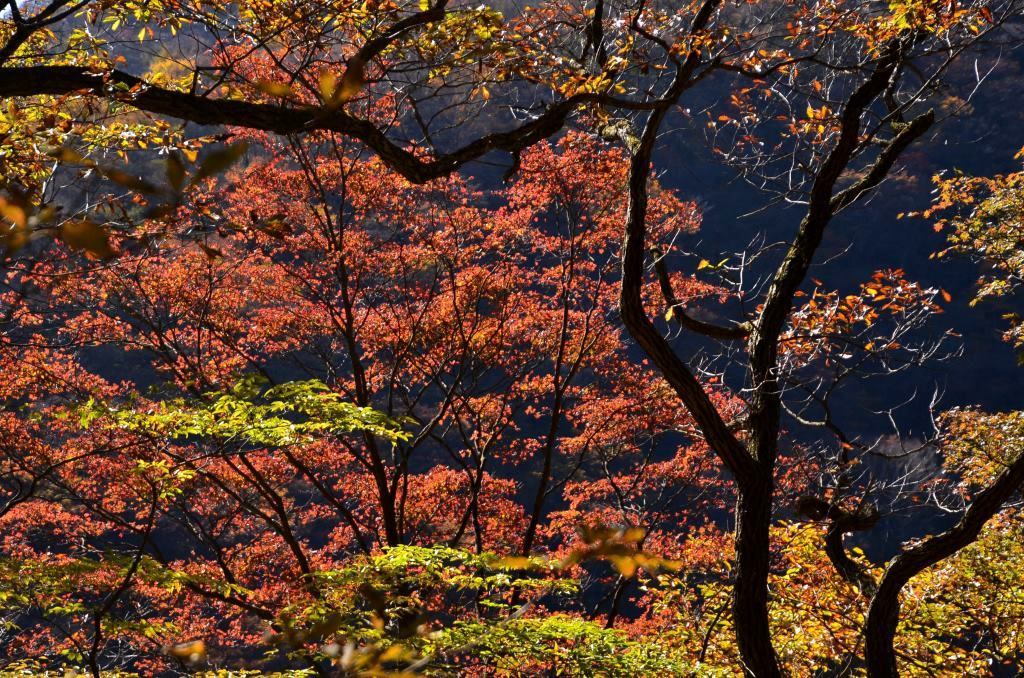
x=24, y=81
x=688, y=322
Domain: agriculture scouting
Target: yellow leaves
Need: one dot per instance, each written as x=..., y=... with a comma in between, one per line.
x=977, y=445
x=88, y=236
x=823, y=113
x=921, y=15
x=352, y=81
x=619, y=546
x=14, y=212
x=485, y=31
x=191, y=652
x=335, y=92
x=274, y=89
x=515, y=562
x=328, y=85
x=704, y=263
x=817, y=119
x=15, y=234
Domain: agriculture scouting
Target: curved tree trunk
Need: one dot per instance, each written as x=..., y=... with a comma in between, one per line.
x=884, y=611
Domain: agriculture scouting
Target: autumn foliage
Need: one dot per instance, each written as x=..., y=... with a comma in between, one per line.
x=299, y=378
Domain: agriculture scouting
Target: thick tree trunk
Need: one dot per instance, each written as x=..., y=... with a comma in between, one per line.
x=750, y=592
x=880, y=636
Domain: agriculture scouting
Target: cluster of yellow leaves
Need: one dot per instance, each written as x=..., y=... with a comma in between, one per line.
x=818, y=120
x=980, y=445
x=929, y=16
x=976, y=595
x=622, y=547
x=471, y=41
x=817, y=618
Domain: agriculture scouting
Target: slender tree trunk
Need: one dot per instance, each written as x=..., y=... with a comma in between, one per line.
x=884, y=611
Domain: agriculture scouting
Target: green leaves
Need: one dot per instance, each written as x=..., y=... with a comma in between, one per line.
x=560, y=645
x=378, y=606
x=280, y=416
x=166, y=480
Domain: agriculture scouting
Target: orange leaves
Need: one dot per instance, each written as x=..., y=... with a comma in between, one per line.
x=984, y=221
x=619, y=546
x=15, y=211
x=191, y=652
x=829, y=323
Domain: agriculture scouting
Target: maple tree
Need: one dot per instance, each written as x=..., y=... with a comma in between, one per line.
x=319, y=399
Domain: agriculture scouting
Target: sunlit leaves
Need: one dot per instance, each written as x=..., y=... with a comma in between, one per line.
x=621, y=547
x=562, y=645
x=983, y=218
x=281, y=415
x=978, y=445
x=833, y=326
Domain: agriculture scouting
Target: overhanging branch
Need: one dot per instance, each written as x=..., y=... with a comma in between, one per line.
x=24, y=81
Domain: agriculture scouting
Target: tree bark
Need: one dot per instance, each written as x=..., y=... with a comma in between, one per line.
x=750, y=586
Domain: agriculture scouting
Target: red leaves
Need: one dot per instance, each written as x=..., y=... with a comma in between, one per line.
x=461, y=311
